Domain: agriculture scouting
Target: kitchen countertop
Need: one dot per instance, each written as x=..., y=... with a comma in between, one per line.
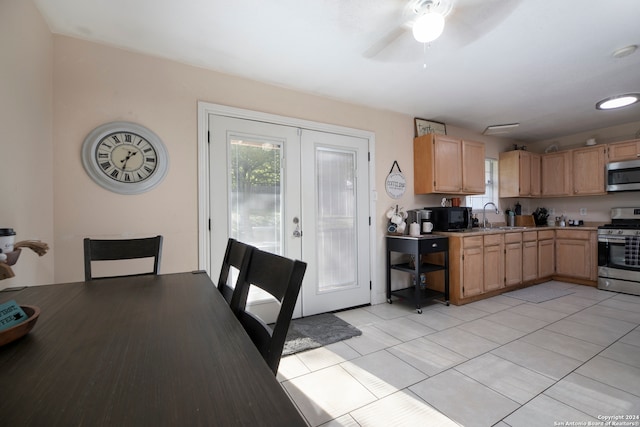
x=505, y=229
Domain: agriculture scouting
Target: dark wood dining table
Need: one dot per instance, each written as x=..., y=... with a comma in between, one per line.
x=146, y=351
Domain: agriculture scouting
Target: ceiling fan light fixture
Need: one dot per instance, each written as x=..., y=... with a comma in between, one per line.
x=618, y=101
x=428, y=27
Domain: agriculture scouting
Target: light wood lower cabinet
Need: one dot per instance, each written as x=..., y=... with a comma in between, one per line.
x=488, y=264
x=574, y=254
x=513, y=259
x=493, y=262
x=472, y=267
x=529, y=256
x=546, y=254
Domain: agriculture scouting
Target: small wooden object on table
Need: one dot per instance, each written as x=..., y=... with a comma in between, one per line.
x=21, y=329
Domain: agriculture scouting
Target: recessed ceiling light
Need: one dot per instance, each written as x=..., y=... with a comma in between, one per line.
x=618, y=101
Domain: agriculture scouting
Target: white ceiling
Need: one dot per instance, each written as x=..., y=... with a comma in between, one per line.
x=542, y=63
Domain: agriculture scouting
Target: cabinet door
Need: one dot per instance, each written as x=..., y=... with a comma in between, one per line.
x=529, y=261
x=628, y=150
x=473, y=167
x=472, y=271
x=535, y=174
x=546, y=258
x=556, y=177
x=509, y=170
x=589, y=171
x=525, y=173
x=447, y=164
x=513, y=264
x=573, y=258
x=494, y=260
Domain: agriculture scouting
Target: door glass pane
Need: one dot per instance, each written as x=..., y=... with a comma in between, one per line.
x=255, y=195
x=336, y=219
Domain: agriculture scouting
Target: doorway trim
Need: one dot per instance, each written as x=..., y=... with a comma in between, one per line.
x=207, y=108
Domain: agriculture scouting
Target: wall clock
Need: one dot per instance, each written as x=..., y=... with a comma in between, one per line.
x=124, y=157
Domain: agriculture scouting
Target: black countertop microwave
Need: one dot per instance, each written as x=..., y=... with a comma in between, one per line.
x=623, y=176
x=451, y=219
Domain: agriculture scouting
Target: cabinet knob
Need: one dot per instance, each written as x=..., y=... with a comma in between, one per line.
x=434, y=245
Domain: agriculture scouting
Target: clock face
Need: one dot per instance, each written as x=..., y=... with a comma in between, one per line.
x=124, y=157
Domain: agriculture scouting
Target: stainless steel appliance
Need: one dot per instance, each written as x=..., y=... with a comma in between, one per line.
x=619, y=252
x=422, y=217
x=451, y=218
x=623, y=176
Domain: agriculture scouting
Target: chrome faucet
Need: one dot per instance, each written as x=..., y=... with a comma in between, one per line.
x=484, y=213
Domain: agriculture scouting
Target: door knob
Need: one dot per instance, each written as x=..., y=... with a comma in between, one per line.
x=297, y=232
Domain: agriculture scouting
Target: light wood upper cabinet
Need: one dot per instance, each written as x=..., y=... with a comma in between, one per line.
x=443, y=164
x=627, y=150
x=588, y=166
x=473, y=167
x=556, y=174
x=519, y=174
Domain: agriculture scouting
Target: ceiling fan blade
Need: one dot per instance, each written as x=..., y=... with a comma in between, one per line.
x=471, y=21
x=385, y=41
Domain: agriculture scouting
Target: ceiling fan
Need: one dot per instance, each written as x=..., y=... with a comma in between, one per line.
x=459, y=21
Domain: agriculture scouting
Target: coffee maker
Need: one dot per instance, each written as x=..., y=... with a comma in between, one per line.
x=422, y=217
x=426, y=225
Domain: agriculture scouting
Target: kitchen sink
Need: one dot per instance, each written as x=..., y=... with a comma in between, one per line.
x=511, y=227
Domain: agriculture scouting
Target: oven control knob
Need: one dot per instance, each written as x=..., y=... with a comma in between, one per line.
x=620, y=231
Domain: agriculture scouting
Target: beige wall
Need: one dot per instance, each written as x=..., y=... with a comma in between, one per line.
x=26, y=168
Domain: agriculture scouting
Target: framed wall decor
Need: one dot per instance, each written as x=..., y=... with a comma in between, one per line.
x=423, y=127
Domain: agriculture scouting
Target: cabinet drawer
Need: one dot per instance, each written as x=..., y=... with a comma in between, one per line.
x=529, y=236
x=573, y=234
x=546, y=234
x=512, y=237
x=472, y=242
x=493, y=239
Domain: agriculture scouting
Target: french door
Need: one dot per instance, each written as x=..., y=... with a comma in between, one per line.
x=298, y=193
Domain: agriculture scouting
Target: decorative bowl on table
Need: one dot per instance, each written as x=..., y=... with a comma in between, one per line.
x=21, y=329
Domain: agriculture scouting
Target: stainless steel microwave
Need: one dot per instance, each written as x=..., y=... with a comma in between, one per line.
x=623, y=176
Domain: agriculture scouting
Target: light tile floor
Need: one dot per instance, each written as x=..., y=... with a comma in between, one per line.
x=501, y=361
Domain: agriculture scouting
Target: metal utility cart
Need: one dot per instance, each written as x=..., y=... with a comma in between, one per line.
x=416, y=247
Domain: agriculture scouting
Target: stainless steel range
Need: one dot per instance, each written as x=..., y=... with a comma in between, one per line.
x=619, y=252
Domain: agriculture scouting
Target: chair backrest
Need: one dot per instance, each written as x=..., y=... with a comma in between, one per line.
x=282, y=278
x=109, y=250
x=237, y=256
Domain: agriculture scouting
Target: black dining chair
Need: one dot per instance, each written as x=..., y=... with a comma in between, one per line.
x=282, y=278
x=237, y=256
x=122, y=249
